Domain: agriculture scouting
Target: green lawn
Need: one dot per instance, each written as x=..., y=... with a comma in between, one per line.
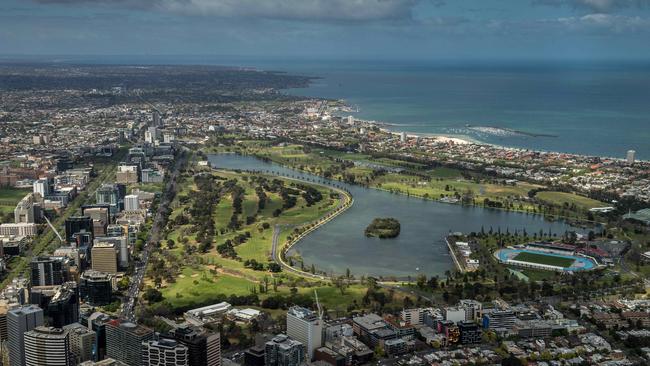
x=559, y=198
x=544, y=259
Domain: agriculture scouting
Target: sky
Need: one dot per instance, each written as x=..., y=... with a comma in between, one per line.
x=345, y=29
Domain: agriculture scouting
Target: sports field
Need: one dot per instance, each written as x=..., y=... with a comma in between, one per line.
x=544, y=259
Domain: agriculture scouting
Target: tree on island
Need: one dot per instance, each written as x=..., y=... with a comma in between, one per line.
x=383, y=228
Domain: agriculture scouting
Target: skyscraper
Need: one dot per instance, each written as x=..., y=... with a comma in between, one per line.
x=43, y=187
x=60, y=304
x=631, y=154
x=305, y=326
x=47, y=346
x=124, y=341
x=19, y=321
x=164, y=352
x=204, y=349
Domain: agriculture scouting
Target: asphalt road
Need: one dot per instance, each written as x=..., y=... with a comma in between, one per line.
x=128, y=307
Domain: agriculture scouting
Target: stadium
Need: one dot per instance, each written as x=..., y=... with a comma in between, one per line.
x=545, y=260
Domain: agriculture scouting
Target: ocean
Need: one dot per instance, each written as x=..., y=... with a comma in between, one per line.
x=589, y=108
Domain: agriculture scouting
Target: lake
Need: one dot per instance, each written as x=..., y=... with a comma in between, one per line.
x=420, y=247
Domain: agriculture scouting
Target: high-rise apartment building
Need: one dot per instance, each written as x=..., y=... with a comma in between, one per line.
x=306, y=327
x=131, y=202
x=164, y=352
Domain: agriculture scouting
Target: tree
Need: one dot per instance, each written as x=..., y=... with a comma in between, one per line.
x=152, y=295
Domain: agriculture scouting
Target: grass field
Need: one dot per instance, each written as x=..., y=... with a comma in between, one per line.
x=544, y=259
x=559, y=198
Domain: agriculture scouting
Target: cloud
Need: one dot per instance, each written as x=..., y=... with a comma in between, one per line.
x=318, y=10
x=595, y=24
x=597, y=6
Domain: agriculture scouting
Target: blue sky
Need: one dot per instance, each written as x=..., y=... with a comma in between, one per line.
x=363, y=29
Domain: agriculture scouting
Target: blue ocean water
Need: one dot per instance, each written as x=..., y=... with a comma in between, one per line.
x=593, y=109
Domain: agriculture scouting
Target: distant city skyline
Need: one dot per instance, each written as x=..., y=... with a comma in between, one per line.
x=360, y=29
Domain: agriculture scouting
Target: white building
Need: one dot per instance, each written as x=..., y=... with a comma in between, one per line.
x=454, y=314
x=164, y=352
x=42, y=187
x=306, y=327
x=47, y=346
x=630, y=156
x=20, y=229
x=402, y=136
x=413, y=316
x=131, y=202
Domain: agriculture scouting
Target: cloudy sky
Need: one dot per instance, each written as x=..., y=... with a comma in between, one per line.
x=361, y=29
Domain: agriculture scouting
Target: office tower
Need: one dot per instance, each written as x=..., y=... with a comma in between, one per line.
x=104, y=257
x=284, y=351
x=82, y=342
x=306, y=327
x=402, y=136
x=204, y=349
x=164, y=352
x=4, y=309
x=121, y=245
x=630, y=156
x=60, y=304
x=95, y=288
x=131, y=202
x=19, y=321
x=47, y=346
x=47, y=271
x=124, y=341
x=26, y=210
x=43, y=187
x=77, y=224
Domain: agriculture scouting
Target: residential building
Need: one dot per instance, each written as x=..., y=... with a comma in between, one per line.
x=127, y=174
x=306, y=327
x=47, y=346
x=19, y=321
x=470, y=332
x=284, y=351
x=131, y=202
x=19, y=229
x=164, y=352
